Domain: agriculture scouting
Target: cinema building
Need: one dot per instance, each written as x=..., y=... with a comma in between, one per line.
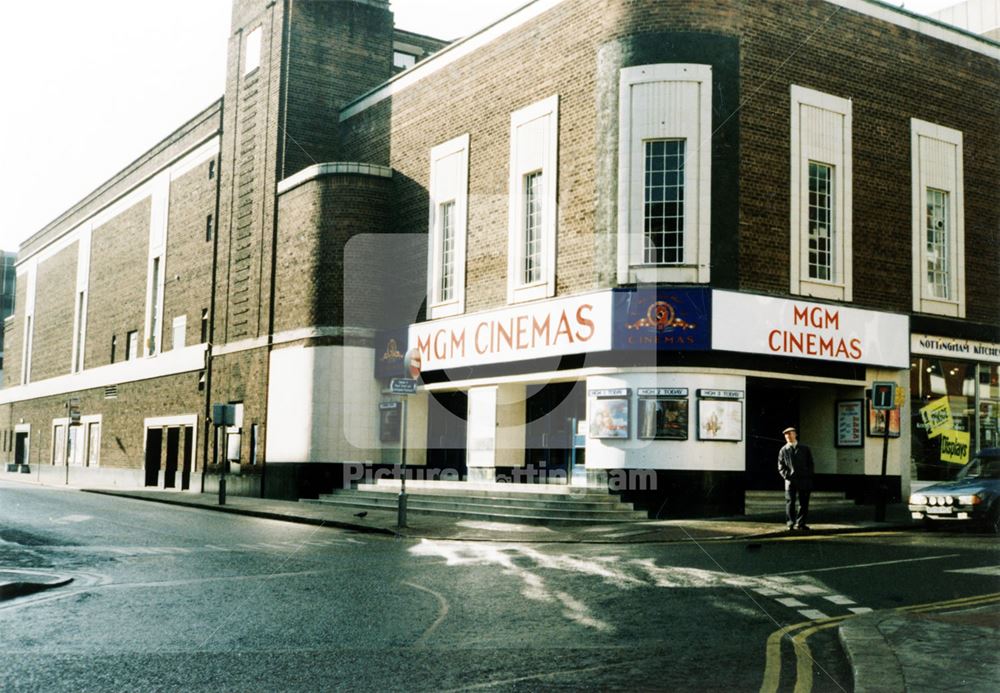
x=621, y=236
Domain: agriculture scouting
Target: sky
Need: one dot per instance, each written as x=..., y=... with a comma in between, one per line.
x=90, y=86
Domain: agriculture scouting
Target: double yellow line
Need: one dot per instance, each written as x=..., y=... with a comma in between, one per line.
x=799, y=633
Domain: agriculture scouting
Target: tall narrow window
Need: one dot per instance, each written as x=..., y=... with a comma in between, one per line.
x=204, y=326
x=209, y=227
x=665, y=141
x=938, y=245
x=664, y=202
x=78, y=355
x=252, y=51
x=154, y=319
x=179, y=332
x=531, y=221
x=447, y=227
x=533, y=217
x=821, y=227
x=447, y=280
x=114, y=347
x=131, y=345
x=93, y=444
x=26, y=367
x=821, y=230
x=211, y=169
x=938, y=240
x=58, y=444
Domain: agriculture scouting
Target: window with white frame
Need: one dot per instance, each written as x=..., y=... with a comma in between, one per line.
x=821, y=176
x=665, y=173
x=820, y=221
x=938, y=219
x=178, y=332
x=531, y=256
x=447, y=227
x=252, y=56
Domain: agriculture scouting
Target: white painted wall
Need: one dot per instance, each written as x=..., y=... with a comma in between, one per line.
x=322, y=405
x=667, y=454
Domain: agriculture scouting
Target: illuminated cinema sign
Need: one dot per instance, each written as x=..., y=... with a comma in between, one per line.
x=783, y=327
x=573, y=325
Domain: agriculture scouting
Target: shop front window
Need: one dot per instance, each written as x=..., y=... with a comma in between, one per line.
x=955, y=405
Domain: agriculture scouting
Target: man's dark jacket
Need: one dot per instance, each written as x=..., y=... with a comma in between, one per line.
x=795, y=465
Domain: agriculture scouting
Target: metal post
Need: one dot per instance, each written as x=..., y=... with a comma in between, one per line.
x=883, y=489
x=66, y=459
x=401, y=509
x=222, y=468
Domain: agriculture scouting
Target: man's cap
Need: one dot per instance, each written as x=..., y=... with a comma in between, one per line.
x=790, y=429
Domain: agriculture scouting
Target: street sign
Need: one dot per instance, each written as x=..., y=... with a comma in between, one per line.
x=413, y=363
x=224, y=414
x=883, y=395
x=403, y=386
x=74, y=411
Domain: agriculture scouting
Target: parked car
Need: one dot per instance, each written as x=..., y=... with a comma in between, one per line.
x=973, y=497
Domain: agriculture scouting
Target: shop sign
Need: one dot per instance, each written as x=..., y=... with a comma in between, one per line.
x=955, y=446
x=936, y=417
x=574, y=325
x=946, y=347
x=390, y=350
x=662, y=392
x=662, y=319
x=802, y=329
x=721, y=394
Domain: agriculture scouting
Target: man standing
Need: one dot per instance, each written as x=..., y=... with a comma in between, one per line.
x=795, y=465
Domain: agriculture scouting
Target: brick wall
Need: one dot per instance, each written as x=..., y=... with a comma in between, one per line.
x=316, y=221
x=119, y=252
x=187, y=287
x=122, y=427
x=54, y=310
x=891, y=74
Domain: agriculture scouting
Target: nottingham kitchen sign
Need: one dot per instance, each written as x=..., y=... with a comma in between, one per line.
x=782, y=327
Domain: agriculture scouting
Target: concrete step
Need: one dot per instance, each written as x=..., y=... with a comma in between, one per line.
x=467, y=489
x=567, y=502
x=762, y=502
x=483, y=511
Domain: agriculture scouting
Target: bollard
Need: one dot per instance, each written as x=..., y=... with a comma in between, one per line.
x=222, y=490
x=401, y=514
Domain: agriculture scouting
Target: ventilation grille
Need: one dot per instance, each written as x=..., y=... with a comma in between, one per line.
x=111, y=392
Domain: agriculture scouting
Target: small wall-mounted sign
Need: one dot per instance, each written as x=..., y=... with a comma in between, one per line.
x=662, y=392
x=619, y=392
x=720, y=394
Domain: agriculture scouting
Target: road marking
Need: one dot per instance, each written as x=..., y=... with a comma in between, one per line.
x=442, y=611
x=767, y=591
x=838, y=599
x=802, y=631
x=863, y=565
x=813, y=614
x=804, y=659
x=790, y=602
x=992, y=571
x=772, y=666
x=957, y=603
x=811, y=589
x=860, y=610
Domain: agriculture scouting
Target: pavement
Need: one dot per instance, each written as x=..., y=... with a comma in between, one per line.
x=910, y=649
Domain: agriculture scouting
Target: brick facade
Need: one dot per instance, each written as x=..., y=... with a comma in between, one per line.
x=326, y=260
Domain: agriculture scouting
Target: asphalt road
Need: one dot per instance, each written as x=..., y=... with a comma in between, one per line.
x=167, y=598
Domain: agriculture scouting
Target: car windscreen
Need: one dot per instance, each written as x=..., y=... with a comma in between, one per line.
x=980, y=468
